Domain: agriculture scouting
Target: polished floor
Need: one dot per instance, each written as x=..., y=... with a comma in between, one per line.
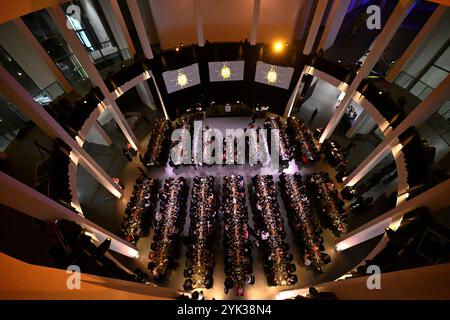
x=102, y=208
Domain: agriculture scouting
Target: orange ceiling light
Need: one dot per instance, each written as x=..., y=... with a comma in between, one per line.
x=278, y=46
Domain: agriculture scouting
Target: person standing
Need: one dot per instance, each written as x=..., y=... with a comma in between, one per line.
x=314, y=114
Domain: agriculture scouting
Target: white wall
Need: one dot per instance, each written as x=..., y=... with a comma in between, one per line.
x=25, y=55
x=175, y=22
x=277, y=20
x=224, y=20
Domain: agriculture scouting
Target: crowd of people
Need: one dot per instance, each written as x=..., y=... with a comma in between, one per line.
x=139, y=210
x=330, y=204
x=270, y=233
x=334, y=153
x=169, y=223
x=305, y=148
x=203, y=217
x=158, y=146
x=286, y=150
x=237, y=246
x=303, y=223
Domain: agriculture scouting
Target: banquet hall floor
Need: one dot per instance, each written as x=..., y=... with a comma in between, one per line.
x=108, y=212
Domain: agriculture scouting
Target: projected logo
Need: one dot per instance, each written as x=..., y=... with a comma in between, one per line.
x=225, y=72
x=272, y=76
x=182, y=79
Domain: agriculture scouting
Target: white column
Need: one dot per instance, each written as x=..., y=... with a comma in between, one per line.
x=98, y=135
x=159, y=96
x=315, y=25
x=334, y=23
x=29, y=36
x=25, y=102
x=145, y=94
x=135, y=11
x=94, y=19
x=21, y=197
x=424, y=34
x=123, y=26
x=434, y=199
x=419, y=115
x=255, y=25
x=199, y=23
x=58, y=16
x=291, y=101
x=398, y=15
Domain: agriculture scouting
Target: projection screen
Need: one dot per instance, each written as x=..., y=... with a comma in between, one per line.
x=273, y=75
x=226, y=71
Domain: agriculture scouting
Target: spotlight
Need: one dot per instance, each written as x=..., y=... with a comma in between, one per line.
x=380, y=92
x=177, y=49
x=181, y=44
x=278, y=46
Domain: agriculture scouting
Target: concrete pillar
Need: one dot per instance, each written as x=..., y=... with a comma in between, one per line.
x=145, y=94
x=94, y=19
x=424, y=34
x=121, y=23
x=21, y=197
x=199, y=23
x=315, y=25
x=58, y=16
x=98, y=135
x=135, y=11
x=29, y=36
x=115, y=26
x=25, y=102
x=398, y=15
x=434, y=199
x=419, y=115
x=255, y=23
x=291, y=101
x=159, y=96
x=334, y=23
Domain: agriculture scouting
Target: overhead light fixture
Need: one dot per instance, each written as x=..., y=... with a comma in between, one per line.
x=278, y=46
x=177, y=49
x=225, y=72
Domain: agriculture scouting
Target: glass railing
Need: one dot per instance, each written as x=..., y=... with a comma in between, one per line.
x=49, y=94
x=419, y=88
